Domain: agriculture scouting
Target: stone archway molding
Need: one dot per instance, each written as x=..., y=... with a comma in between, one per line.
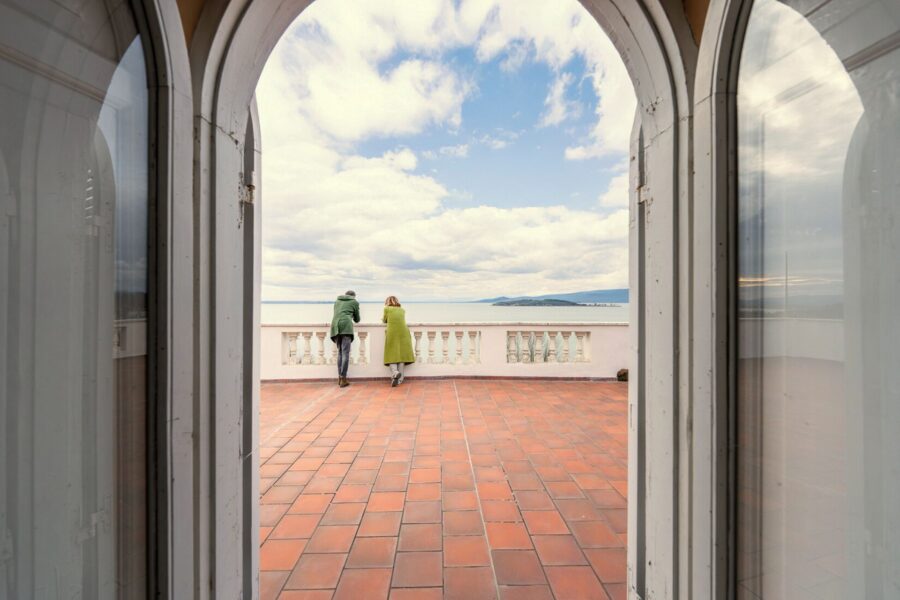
x=207, y=427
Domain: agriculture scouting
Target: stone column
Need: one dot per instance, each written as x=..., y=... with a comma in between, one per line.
x=538, y=346
x=431, y=336
x=363, y=336
x=307, y=348
x=445, y=347
x=320, y=359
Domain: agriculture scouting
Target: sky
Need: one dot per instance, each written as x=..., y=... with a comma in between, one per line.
x=444, y=150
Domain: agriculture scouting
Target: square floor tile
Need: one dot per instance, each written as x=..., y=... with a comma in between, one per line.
x=332, y=538
x=418, y=569
x=311, y=504
x=608, y=563
x=558, y=550
x=534, y=500
x=422, y=512
x=417, y=492
x=575, y=583
x=386, y=501
x=595, y=534
x=518, y=567
x=316, y=571
x=500, y=510
x=463, y=522
x=379, y=524
x=544, y=522
x=344, y=514
x=280, y=555
x=420, y=537
x=508, y=536
x=469, y=583
x=372, y=584
x=459, y=501
x=466, y=551
x=295, y=526
x=372, y=552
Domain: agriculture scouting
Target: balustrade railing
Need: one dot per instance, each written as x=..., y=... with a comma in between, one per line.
x=447, y=349
x=548, y=346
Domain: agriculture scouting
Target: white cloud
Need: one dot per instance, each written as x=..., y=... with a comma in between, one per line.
x=554, y=33
x=379, y=224
x=459, y=151
x=333, y=69
x=558, y=109
x=617, y=192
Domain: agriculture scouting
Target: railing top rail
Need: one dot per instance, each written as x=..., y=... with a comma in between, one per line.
x=463, y=324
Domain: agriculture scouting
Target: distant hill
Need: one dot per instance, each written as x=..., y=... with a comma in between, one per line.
x=619, y=296
x=537, y=302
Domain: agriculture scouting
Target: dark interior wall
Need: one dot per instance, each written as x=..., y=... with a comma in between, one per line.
x=695, y=11
x=190, y=14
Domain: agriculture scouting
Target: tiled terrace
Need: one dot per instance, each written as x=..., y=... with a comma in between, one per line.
x=462, y=489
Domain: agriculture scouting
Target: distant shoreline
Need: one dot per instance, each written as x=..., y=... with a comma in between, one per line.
x=370, y=302
x=602, y=304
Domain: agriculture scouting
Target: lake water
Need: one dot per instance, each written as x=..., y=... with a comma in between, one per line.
x=452, y=312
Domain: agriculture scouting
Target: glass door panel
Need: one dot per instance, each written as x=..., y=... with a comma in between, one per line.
x=818, y=294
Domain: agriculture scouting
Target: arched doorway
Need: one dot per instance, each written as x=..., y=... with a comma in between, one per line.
x=233, y=43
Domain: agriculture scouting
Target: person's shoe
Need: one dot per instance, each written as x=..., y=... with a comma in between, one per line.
x=344, y=382
x=395, y=380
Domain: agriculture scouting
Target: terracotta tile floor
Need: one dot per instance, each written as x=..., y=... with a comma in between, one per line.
x=462, y=489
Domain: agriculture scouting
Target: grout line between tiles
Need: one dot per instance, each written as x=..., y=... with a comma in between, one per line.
x=477, y=493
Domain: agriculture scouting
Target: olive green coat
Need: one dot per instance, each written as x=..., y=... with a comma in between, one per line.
x=346, y=313
x=398, y=346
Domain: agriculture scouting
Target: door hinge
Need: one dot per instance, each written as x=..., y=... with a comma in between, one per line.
x=644, y=196
x=247, y=193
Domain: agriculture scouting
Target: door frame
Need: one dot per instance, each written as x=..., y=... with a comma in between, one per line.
x=680, y=419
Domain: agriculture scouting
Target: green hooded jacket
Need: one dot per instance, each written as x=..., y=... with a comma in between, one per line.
x=346, y=313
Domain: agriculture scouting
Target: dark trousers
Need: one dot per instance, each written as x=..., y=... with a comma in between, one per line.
x=343, y=342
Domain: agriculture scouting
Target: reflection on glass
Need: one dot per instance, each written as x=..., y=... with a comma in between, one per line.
x=818, y=291
x=73, y=301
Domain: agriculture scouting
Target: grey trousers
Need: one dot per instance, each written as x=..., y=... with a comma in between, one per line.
x=397, y=368
x=343, y=342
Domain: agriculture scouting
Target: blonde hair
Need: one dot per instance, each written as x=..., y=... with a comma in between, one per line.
x=392, y=301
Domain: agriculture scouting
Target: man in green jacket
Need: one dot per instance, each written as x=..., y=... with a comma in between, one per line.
x=346, y=313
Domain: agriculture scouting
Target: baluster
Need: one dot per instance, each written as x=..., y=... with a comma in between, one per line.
x=525, y=347
x=363, y=336
x=307, y=348
x=551, y=347
x=418, y=337
x=445, y=347
x=538, y=346
x=285, y=348
x=320, y=337
x=579, y=351
x=473, y=348
x=459, y=358
x=431, y=358
x=290, y=351
x=566, y=336
x=511, y=354
x=295, y=348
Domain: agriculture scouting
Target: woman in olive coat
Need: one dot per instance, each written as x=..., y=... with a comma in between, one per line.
x=398, y=349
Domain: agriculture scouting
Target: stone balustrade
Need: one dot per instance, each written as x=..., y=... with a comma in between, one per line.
x=546, y=350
